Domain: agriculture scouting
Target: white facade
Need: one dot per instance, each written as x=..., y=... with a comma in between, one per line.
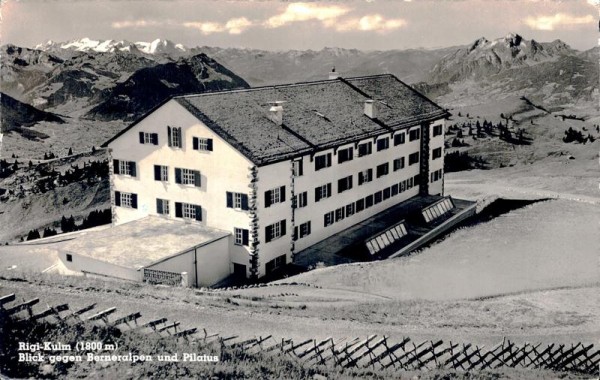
x=269, y=228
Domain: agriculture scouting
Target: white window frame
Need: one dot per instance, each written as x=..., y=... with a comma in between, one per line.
x=203, y=144
x=238, y=234
x=237, y=200
x=124, y=168
x=148, y=138
x=176, y=139
x=275, y=195
x=165, y=207
x=188, y=177
x=188, y=211
x=276, y=230
x=164, y=173
x=303, y=199
x=324, y=193
x=126, y=200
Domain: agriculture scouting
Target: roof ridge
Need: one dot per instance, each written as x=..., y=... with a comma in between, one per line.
x=276, y=86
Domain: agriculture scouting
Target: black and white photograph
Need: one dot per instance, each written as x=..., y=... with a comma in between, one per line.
x=351, y=189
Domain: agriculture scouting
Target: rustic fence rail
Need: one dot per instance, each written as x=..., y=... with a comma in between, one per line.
x=374, y=352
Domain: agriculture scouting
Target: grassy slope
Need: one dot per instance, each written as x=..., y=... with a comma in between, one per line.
x=35, y=211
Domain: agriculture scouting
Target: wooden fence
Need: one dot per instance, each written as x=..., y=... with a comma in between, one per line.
x=374, y=352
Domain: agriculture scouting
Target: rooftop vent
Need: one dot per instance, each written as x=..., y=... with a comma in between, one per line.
x=370, y=109
x=333, y=74
x=276, y=112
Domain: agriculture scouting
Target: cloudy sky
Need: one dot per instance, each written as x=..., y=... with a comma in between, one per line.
x=281, y=25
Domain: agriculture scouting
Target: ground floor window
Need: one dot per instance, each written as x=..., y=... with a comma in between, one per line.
x=276, y=263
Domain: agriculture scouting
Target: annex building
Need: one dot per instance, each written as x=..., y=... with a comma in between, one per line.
x=276, y=170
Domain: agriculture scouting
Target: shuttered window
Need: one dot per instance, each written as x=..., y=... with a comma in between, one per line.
x=275, y=230
x=237, y=200
x=276, y=195
x=148, y=138
x=188, y=211
x=202, y=144
x=188, y=177
x=121, y=167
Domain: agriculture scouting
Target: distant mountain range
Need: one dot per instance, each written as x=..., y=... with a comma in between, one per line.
x=551, y=73
x=156, y=47
x=121, y=80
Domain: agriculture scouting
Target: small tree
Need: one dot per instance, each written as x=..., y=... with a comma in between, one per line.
x=70, y=152
x=33, y=234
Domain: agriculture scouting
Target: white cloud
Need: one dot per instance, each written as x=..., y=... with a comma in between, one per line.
x=378, y=23
x=559, y=19
x=237, y=25
x=368, y=23
x=305, y=12
x=135, y=24
x=232, y=26
x=205, y=27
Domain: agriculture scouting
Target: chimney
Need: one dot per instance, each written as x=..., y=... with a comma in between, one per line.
x=370, y=109
x=276, y=113
x=333, y=74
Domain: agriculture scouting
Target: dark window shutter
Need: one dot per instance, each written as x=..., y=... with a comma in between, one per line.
x=170, y=138
x=117, y=198
x=156, y=172
x=350, y=183
x=268, y=198
x=134, y=200
x=268, y=233
x=317, y=194
x=195, y=143
x=180, y=138
x=361, y=178
x=198, y=213
x=116, y=166
x=178, y=210
x=132, y=168
x=159, y=207
x=177, y=175
x=308, y=228
x=155, y=138
x=141, y=137
x=350, y=154
x=197, y=178
x=245, y=202
x=229, y=199
x=245, y=238
x=209, y=145
x=283, y=227
x=329, y=189
x=295, y=234
x=282, y=193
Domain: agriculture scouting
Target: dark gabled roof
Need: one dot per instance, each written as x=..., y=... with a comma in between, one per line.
x=316, y=115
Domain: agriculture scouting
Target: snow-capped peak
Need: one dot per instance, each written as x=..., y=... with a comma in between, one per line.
x=159, y=46
x=86, y=44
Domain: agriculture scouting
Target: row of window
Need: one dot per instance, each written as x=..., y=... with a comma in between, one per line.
x=347, y=154
x=364, y=203
x=161, y=173
x=346, y=183
x=175, y=139
x=182, y=210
